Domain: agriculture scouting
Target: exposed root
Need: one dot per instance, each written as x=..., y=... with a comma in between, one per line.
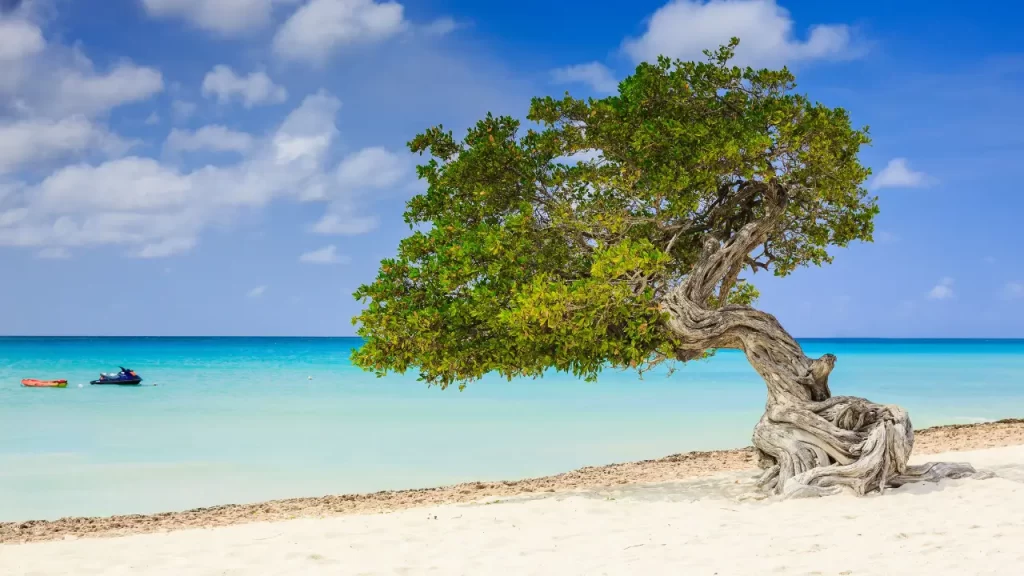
x=935, y=471
x=845, y=442
x=809, y=443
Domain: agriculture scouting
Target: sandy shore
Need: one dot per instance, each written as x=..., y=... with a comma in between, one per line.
x=672, y=468
x=693, y=527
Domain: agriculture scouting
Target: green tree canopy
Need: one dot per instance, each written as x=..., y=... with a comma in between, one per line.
x=556, y=247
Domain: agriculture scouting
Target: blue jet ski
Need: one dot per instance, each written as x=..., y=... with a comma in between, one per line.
x=126, y=377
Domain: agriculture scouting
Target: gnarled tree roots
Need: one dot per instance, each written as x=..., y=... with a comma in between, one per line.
x=818, y=448
x=809, y=442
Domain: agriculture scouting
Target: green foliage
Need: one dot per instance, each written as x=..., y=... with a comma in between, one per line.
x=531, y=260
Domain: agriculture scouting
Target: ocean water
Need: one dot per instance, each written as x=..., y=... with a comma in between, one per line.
x=232, y=420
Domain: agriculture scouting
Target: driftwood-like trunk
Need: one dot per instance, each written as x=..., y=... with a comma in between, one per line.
x=810, y=443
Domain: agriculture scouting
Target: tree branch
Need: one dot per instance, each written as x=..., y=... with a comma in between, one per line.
x=718, y=260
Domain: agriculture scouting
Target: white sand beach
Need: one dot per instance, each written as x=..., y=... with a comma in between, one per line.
x=693, y=527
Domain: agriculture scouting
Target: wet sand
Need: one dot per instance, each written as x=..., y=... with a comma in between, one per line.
x=671, y=468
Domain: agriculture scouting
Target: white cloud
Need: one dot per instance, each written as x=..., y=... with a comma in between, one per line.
x=153, y=119
x=68, y=93
x=370, y=169
x=227, y=17
x=441, y=26
x=182, y=109
x=19, y=39
x=155, y=210
x=325, y=255
x=897, y=174
x=51, y=80
x=943, y=290
x=12, y=216
x=256, y=88
x=57, y=253
x=31, y=142
x=333, y=224
x=593, y=74
x=684, y=28
x=1014, y=290
x=303, y=136
x=125, y=184
x=86, y=92
x=213, y=138
x=320, y=27
x=256, y=292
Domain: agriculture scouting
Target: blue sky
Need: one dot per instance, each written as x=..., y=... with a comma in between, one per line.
x=193, y=167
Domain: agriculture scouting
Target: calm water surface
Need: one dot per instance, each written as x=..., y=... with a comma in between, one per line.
x=225, y=420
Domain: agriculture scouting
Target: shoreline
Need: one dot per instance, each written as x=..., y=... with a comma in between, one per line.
x=947, y=438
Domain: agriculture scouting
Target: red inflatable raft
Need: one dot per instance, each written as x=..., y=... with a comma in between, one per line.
x=33, y=383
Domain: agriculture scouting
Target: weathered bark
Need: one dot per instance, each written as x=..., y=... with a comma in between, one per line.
x=809, y=442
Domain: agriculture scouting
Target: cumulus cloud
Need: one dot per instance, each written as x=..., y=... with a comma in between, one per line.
x=254, y=89
x=51, y=80
x=126, y=184
x=256, y=292
x=684, y=28
x=593, y=74
x=897, y=174
x=153, y=209
x=320, y=27
x=19, y=39
x=226, y=17
x=943, y=290
x=326, y=255
x=86, y=92
x=26, y=143
x=370, y=169
x=213, y=138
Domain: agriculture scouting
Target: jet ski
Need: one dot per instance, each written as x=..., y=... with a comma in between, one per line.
x=126, y=377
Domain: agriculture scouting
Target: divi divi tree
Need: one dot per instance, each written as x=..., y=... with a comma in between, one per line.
x=619, y=233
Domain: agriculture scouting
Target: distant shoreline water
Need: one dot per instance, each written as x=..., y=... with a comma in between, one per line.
x=243, y=419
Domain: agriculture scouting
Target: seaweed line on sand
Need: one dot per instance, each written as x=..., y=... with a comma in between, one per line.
x=957, y=437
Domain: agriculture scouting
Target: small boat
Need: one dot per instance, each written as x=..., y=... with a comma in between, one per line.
x=126, y=377
x=33, y=383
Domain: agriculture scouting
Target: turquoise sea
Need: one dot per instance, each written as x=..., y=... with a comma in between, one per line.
x=230, y=420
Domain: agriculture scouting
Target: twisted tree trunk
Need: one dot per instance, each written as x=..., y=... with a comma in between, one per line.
x=809, y=443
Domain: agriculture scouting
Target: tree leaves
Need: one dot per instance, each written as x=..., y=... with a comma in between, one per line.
x=533, y=260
